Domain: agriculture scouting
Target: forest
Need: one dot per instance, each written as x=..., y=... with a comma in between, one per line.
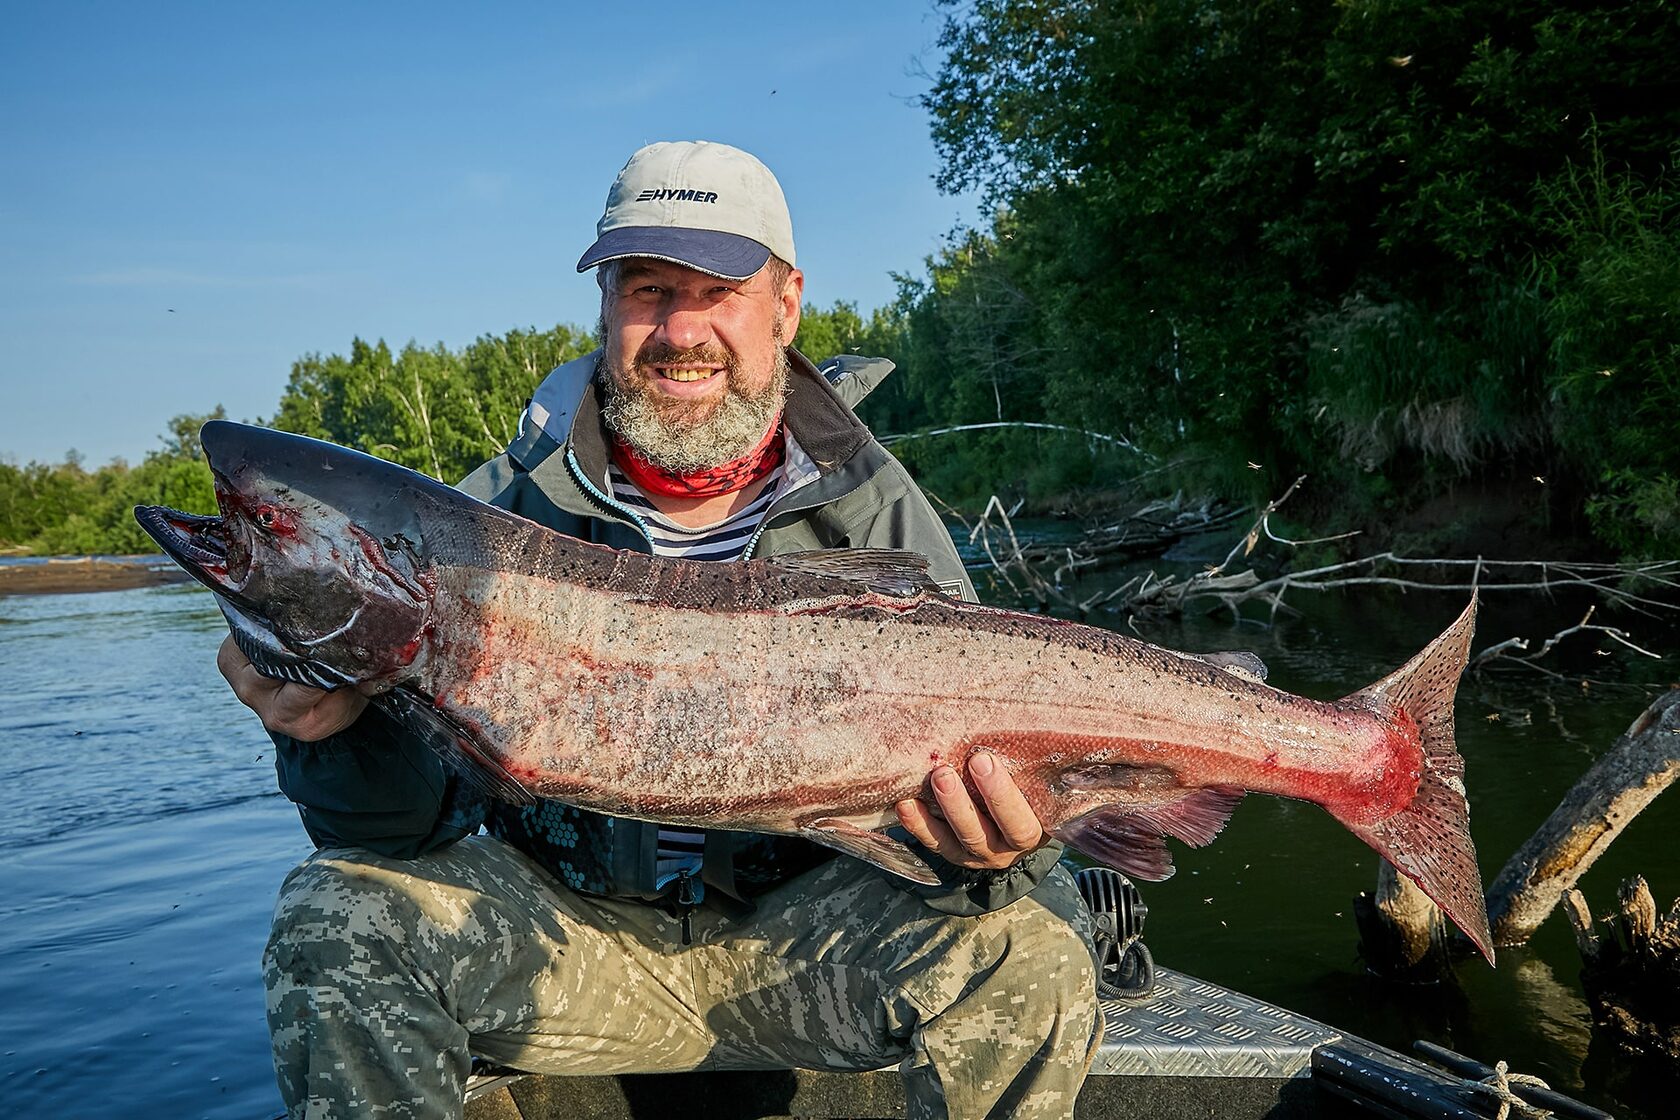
x=1426, y=255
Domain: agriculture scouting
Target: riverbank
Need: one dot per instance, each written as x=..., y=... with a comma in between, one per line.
x=57, y=575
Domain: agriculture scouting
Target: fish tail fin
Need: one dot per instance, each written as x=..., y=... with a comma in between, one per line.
x=1429, y=840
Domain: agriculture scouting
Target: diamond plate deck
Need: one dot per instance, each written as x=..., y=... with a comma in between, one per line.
x=1194, y=1028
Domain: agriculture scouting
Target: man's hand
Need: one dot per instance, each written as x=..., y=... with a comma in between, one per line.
x=304, y=713
x=991, y=835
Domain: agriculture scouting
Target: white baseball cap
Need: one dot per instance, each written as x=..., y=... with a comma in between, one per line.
x=708, y=206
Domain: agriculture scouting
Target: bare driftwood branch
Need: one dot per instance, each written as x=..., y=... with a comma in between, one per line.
x=1220, y=587
x=1047, y=573
x=1626, y=778
x=1118, y=441
x=1502, y=651
x=1438, y=574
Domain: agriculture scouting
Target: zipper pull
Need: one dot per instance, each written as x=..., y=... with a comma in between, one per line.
x=685, y=906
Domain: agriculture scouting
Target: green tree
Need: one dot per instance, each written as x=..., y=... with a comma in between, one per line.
x=434, y=410
x=1297, y=235
x=66, y=510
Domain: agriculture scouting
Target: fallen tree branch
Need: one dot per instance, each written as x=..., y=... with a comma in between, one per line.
x=1542, y=575
x=1023, y=567
x=1626, y=778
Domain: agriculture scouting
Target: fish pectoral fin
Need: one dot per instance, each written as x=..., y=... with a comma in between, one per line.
x=886, y=571
x=455, y=745
x=871, y=847
x=1133, y=838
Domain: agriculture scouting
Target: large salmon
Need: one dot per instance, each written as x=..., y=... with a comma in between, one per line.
x=804, y=694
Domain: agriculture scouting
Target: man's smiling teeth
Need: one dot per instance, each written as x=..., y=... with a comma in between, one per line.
x=686, y=374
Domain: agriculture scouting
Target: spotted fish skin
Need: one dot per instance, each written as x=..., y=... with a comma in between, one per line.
x=802, y=694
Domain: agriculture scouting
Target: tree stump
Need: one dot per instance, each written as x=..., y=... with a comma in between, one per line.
x=1402, y=935
x=1631, y=971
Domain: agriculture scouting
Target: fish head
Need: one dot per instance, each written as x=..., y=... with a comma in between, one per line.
x=318, y=545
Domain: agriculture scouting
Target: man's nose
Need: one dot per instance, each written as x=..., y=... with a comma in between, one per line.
x=685, y=326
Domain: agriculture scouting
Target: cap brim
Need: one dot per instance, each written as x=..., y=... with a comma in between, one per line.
x=726, y=255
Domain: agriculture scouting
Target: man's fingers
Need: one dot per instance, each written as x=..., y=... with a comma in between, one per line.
x=972, y=831
x=991, y=832
x=922, y=821
x=254, y=690
x=1017, y=825
x=291, y=709
x=918, y=819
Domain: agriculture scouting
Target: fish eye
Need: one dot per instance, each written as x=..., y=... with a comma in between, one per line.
x=271, y=520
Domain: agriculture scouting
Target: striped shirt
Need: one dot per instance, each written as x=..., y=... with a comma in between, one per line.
x=680, y=849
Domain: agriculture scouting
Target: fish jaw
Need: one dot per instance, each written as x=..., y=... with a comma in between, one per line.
x=210, y=549
x=312, y=594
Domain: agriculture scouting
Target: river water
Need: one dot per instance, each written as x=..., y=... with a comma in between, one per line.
x=144, y=843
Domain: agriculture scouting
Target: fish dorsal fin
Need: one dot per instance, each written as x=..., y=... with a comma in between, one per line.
x=886, y=571
x=1132, y=838
x=455, y=744
x=1239, y=663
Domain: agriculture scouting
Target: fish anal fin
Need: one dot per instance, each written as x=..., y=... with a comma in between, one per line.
x=871, y=847
x=455, y=745
x=1198, y=816
x=886, y=571
x=1132, y=837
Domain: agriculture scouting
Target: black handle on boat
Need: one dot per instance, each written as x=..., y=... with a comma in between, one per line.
x=1567, y=1107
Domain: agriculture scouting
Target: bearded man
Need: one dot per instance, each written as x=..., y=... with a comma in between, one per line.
x=561, y=941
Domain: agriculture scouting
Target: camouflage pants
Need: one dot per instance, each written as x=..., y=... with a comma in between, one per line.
x=384, y=976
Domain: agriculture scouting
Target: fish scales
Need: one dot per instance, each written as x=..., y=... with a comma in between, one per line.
x=802, y=694
x=743, y=726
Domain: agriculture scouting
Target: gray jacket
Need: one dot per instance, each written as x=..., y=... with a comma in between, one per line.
x=555, y=473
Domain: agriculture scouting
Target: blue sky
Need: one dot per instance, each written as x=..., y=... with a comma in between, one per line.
x=287, y=177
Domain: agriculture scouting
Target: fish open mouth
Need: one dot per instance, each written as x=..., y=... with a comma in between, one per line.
x=203, y=546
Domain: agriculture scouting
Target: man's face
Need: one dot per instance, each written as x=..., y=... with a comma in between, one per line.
x=693, y=365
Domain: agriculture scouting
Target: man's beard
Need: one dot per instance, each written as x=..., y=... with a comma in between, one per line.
x=684, y=436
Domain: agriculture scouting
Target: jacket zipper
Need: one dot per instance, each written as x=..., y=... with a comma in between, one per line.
x=589, y=488
x=769, y=515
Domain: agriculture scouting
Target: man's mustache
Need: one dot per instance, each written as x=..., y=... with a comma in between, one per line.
x=664, y=354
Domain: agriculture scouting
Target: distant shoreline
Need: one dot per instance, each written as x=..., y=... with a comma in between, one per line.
x=60, y=575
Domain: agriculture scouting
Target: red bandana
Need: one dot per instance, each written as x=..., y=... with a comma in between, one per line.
x=709, y=482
